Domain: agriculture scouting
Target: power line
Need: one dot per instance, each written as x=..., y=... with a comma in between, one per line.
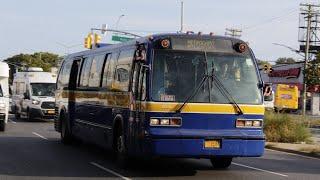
x=233, y=32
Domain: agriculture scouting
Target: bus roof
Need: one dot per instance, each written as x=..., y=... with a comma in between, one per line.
x=152, y=38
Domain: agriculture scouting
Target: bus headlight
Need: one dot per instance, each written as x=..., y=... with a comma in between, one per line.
x=171, y=121
x=249, y=123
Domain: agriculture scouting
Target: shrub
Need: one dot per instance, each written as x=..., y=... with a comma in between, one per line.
x=284, y=128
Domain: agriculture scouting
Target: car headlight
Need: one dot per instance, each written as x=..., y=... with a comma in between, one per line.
x=35, y=102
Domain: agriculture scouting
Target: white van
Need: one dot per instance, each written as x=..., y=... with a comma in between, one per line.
x=33, y=94
x=4, y=95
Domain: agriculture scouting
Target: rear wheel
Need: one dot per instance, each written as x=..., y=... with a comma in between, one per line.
x=2, y=125
x=66, y=136
x=221, y=162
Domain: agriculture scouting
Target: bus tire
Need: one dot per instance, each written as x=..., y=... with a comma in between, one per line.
x=221, y=162
x=66, y=136
x=2, y=125
x=120, y=149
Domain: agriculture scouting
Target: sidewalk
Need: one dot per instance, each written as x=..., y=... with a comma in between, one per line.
x=303, y=149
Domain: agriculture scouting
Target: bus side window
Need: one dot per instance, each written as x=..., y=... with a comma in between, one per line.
x=106, y=69
x=123, y=70
x=95, y=72
x=111, y=62
x=85, y=72
x=63, y=78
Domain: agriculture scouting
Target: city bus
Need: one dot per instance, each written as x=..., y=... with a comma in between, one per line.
x=174, y=95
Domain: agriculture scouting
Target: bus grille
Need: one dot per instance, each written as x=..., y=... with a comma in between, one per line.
x=47, y=105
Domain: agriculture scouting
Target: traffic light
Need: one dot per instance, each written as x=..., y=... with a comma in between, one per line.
x=265, y=68
x=88, y=41
x=97, y=38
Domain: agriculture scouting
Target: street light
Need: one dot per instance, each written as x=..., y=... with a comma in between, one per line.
x=117, y=23
x=290, y=48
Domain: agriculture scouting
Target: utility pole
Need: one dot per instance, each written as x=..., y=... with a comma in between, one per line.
x=310, y=13
x=182, y=16
x=236, y=33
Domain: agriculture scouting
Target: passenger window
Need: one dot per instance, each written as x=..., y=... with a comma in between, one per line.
x=110, y=70
x=85, y=71
x=63, y=79
x=95, y=72
x=105, y=71
x=123, y=70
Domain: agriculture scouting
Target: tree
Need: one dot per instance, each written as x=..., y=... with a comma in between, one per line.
x=284, y=60
x=313, y=72
x=45, y=60
x=261, y=63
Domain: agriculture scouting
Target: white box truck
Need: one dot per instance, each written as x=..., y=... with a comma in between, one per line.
x=4, y=95
x=33, y=94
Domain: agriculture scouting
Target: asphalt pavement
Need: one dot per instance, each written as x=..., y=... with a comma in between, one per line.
x=32, y=150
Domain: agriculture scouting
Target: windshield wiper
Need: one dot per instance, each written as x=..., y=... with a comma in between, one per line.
x=205, y=77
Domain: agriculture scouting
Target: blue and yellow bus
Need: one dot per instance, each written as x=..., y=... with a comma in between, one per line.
x=165, y=95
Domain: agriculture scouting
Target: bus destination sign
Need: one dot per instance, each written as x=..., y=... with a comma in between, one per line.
x=215, y=45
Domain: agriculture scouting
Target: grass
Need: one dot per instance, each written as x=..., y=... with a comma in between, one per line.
x=285, y=128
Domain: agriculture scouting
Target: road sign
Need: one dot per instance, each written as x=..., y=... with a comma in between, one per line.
x=121, y=38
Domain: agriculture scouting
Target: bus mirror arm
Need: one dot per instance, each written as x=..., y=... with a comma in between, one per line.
x=140, y=53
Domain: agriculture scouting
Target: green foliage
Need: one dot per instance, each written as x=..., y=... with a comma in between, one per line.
x=44, y=60
x=284, y=60
x=262, y=63
x=283, y=128
x=313, y=72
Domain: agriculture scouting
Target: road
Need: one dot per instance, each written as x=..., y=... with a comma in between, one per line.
x=32, y=150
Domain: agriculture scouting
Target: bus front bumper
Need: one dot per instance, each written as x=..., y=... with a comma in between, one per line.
x=191, y=143
x=194, y=148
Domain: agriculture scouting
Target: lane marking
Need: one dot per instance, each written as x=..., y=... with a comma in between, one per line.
x=42, y=137
x=12, y=121
x=109, y=171
x=258, y=169
x=298, y=155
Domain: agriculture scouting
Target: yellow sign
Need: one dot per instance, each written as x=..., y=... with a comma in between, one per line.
x=286, y=97
x=212, y=144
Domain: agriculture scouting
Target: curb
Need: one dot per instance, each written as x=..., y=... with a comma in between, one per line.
x=294, y=152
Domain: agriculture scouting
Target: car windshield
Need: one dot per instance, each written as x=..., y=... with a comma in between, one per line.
x=43, y=89
x=176, y=74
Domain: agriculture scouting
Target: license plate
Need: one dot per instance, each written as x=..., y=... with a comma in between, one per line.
x=50, y=112
x=212, y=144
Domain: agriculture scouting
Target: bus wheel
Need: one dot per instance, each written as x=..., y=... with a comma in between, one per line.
x=221, y=162
x=66, y=136
x=2, y=125
x=120, y=151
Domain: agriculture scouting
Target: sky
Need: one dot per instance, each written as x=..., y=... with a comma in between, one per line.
x=59, y=26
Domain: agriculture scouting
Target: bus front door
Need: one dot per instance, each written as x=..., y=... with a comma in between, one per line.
x=136, y=115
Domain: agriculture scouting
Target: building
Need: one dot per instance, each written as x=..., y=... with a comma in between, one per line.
x=292, y=74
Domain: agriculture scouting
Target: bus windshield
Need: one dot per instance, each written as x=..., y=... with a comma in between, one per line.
x=176, y=74
x=43, y=89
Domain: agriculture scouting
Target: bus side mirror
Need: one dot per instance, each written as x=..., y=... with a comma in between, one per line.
x=140, y=53
x=267, y=91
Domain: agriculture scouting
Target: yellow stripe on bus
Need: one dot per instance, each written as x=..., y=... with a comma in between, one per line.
x=202, y=108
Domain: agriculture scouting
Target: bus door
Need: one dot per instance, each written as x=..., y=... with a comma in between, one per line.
x=137, y=115
x=72, y=86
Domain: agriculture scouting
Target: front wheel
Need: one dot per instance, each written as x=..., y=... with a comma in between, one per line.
x=221, y=162
x=66, y=136
x=2, y=125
